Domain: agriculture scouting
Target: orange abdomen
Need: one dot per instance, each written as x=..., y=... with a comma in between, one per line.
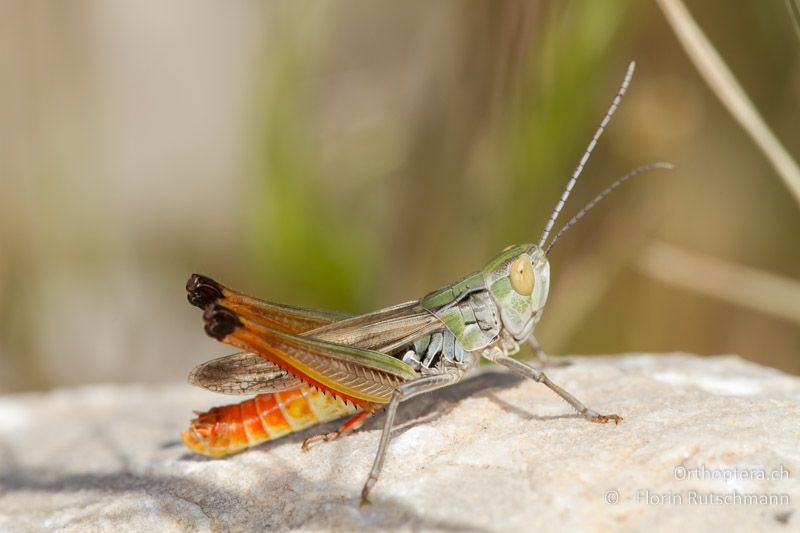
x=233, y=428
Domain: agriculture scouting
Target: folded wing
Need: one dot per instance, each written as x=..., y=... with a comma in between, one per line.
x=360, y=375
x=385, y=330
x=242, y=373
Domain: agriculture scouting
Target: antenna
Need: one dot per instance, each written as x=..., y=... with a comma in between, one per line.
x=587, y=153
x=606, y=192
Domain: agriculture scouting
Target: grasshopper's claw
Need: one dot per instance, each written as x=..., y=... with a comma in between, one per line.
x=325, y=437
x=365, y=498
x=591, y=416
x=366, y=490
x=353, y=423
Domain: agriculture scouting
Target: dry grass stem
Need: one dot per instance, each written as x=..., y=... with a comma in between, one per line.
x=724, y=84
x=748, y=287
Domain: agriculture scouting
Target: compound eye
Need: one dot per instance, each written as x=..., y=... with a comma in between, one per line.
x=522, y=275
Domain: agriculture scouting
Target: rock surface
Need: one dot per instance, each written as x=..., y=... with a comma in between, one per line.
x=493, y=453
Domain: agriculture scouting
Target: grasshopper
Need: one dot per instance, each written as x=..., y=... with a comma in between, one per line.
x=309, y=366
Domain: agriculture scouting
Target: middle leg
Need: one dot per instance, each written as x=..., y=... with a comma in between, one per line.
x=403, y=392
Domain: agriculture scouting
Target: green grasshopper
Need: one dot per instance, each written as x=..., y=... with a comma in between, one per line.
x=308, y=366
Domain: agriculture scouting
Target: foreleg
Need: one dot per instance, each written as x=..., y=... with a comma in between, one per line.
x=518, y=367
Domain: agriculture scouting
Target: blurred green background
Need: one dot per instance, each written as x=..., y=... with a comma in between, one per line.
x=351, y=155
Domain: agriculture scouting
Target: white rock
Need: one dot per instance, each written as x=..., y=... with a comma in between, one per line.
x=492, y=453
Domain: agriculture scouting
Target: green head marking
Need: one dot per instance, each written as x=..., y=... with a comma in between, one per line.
x=519, y=280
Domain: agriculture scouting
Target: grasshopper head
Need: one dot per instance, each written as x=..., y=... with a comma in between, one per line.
x=518, y=280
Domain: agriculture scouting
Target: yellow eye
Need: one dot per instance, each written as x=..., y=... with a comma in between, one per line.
x=522, y=275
